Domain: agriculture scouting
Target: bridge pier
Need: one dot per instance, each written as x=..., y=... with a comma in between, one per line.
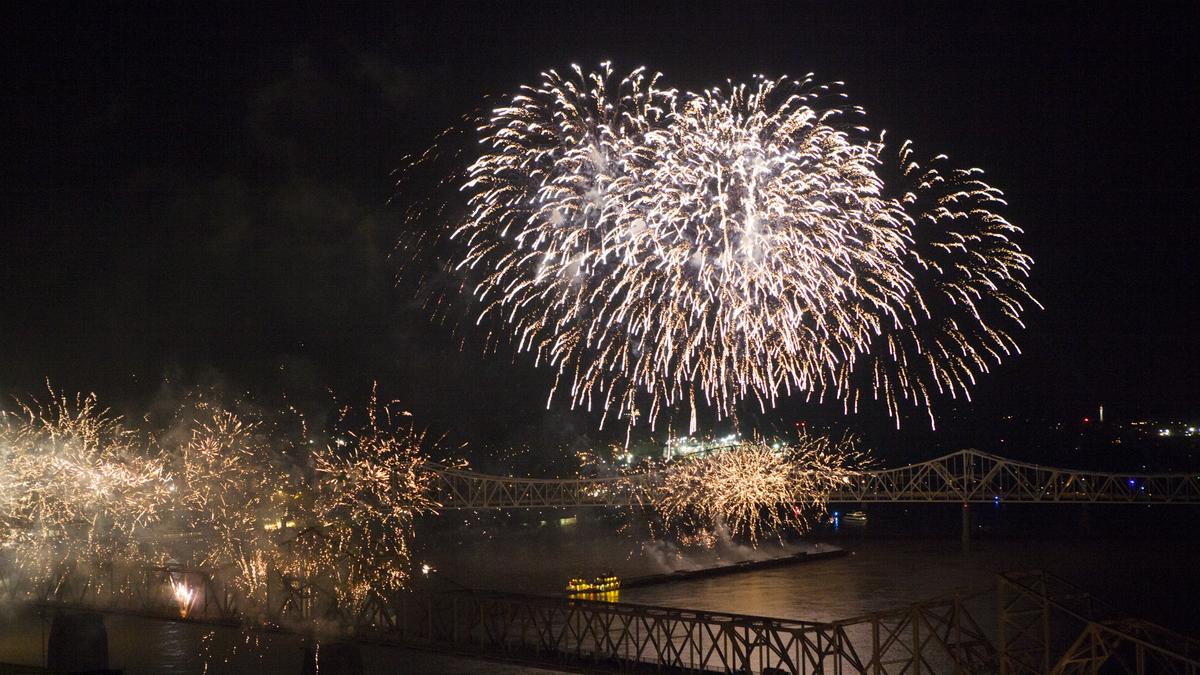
x=966, y=527
x=333, y=658
x=78, y=642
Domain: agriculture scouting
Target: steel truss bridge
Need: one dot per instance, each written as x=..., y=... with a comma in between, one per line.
x=1025, y=623
x=963, y=477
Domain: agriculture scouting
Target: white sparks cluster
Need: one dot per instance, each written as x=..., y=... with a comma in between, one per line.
x=373, y=490
x=753, y=488
x=74, y=486
x=80, y=492
x=659, y=248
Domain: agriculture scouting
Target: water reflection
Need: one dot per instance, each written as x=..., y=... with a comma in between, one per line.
x=1152, y=579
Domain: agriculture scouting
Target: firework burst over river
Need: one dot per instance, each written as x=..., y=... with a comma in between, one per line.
x=663, y=249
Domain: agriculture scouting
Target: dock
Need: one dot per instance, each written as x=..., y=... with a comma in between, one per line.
x=732, y=568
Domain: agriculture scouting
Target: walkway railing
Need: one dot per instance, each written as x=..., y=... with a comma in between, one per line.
x=931, y=637
x=1028, y=623
x=1047, y=625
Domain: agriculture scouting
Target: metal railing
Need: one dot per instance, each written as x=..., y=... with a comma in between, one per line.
x=932, y=637
x=1042, y=625
x=1047, y=625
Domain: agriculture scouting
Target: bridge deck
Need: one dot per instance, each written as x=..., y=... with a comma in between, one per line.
x=967, y=476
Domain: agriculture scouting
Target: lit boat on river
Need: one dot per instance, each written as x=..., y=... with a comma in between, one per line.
x=606, y=583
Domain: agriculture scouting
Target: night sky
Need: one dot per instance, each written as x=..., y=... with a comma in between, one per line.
x=198, y=195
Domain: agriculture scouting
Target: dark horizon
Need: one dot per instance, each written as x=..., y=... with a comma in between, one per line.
x=200, y=196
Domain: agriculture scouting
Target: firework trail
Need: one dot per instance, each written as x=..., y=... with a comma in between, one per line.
x=658, y=248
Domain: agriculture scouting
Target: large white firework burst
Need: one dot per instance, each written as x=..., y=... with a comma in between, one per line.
x=659, y=248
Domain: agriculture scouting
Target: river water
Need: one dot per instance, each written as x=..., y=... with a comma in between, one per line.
x=1155, y=578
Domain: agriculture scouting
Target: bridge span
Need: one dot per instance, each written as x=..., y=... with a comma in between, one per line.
x=963, y=477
